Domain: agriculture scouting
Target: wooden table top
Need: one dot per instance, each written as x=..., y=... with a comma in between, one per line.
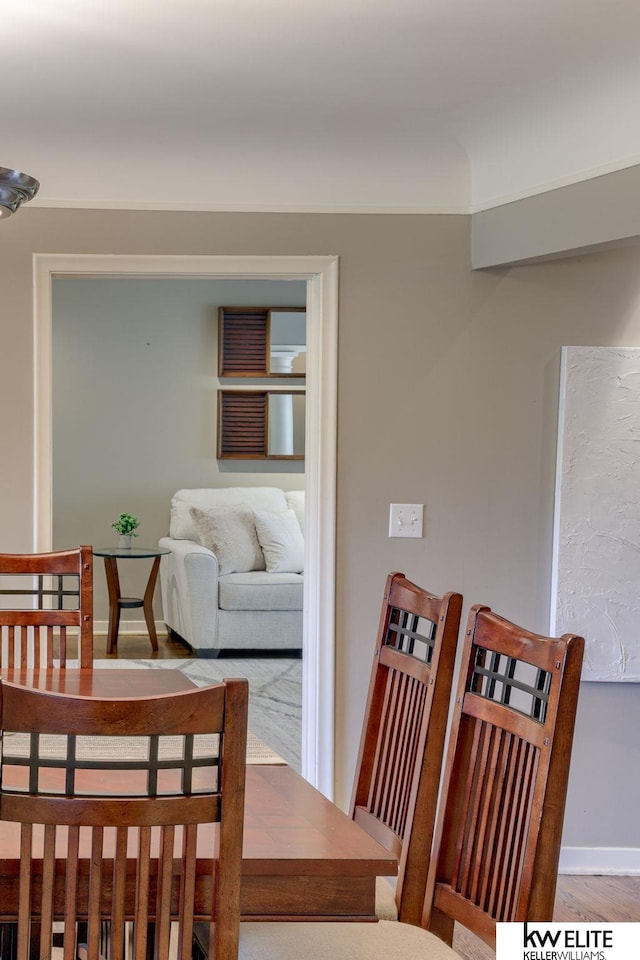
x=101, y=683
x=289, y=824
x=302, y=856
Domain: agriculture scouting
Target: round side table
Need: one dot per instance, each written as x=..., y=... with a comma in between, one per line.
x=116, y=601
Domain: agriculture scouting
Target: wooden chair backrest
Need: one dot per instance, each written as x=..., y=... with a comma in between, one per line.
x=130, y=814
x=505, y=782
x=399, y=764
x=42, y=596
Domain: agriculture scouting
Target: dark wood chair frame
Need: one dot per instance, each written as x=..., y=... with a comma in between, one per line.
x=41, y=624
x=402, y=744
x=500, y=825
x=83, y=814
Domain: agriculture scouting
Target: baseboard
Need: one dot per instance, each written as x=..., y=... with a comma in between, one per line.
x=129, y=626
x=240, y=653
x=614, y=861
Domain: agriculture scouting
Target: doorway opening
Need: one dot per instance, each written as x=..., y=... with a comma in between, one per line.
x=320, y=275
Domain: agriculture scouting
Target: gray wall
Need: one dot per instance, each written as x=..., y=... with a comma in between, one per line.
x=448, y=392
x=143, y=354
x=590, y=214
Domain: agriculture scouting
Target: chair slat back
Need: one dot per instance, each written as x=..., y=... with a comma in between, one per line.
x=42, y=597
x=402, y=743
x=112, y=841
x=505, y=782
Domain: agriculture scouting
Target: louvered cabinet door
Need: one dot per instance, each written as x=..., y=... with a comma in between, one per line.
x=243, y=338
x=242, y=424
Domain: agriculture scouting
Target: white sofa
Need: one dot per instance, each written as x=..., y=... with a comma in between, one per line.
x=246, y=610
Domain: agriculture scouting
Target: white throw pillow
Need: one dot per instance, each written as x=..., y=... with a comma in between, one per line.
x=230, y=532
x=281, y=540
x=295, y=500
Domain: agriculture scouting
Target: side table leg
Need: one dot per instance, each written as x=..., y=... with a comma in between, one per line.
x=147, y=603
x=113, y=586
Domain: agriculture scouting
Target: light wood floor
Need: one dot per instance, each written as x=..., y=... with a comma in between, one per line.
x=138, y=647
x=583, y=899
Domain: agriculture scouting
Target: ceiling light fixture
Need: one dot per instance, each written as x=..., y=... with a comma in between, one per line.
x=15, y=188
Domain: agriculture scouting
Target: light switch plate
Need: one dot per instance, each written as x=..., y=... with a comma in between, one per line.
x=405, y=519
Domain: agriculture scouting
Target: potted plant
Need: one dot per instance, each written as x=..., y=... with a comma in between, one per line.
x=125, y=527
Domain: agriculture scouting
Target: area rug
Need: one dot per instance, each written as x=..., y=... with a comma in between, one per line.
x=275, y=694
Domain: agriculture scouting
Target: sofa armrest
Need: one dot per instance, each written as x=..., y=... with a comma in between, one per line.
x=189, y=588
x=180, y=549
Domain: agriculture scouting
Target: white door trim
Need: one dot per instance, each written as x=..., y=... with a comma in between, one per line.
x=321, y=274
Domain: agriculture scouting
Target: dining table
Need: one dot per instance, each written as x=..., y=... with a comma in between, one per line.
x=303, y=857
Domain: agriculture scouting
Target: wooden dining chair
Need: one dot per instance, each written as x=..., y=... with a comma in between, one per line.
x=42, y=597
x=499, y=831
x=500, y=818
x=402, y=742
x=131, y=818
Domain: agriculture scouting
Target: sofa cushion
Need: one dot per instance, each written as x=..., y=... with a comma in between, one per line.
x=281, y=540
x=261, y=591
x=230, y=533
x=181, y=525
x=295, y=500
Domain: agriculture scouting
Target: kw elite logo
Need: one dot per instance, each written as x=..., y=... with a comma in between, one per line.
x=566, y=941
x=568, y=944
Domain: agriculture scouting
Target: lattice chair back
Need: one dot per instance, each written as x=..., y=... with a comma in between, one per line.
x=44, y=598
x=402, y=744
x=500, y=826
x=131, y=819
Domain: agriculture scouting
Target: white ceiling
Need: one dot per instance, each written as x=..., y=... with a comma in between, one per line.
x=425, y=105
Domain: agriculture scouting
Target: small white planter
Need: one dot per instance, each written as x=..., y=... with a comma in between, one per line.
x=125, y=541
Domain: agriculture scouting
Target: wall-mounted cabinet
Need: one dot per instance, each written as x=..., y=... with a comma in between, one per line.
x=254, y=343
x=262, y=342
x=261, y=424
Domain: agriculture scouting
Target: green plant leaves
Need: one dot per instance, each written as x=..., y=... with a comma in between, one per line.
x=126, y=524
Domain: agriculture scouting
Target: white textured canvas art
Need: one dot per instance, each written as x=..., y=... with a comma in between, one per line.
x=596, y=563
